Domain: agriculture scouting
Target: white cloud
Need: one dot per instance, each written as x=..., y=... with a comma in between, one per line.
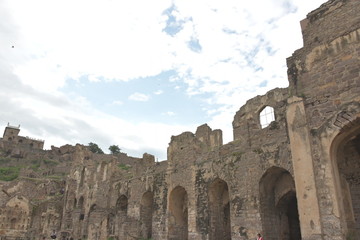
x=158, y=92
x=169, y=113
x=117, y=102
x=242, y=45
x=139, y=97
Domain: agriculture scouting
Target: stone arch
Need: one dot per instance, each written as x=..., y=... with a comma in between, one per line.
x=122, y=204
x=278, y=205
x=146, y=211
x=121, y=208
x=345, y=160
x=178, y=214
x=266, y=116
x=219, y=210
x=13, y=223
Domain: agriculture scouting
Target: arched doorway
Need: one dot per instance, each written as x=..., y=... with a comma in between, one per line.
x=121, y=206
x=178, y=214
x=121, y=214
x=278, y=205
x=219, y=210
x=345, y=154
x=13, y=223
x=146, y=210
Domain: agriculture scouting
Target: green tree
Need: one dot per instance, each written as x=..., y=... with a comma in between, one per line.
x=95, y=148
x=114, y=149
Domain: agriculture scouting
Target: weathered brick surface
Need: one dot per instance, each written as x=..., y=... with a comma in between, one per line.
x=298, y=178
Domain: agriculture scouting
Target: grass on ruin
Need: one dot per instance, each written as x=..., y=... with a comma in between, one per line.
x=55, y=177
x=36, y=163
x=50, y=162
x=9, y=173
x=4, y=160
x=124, y=166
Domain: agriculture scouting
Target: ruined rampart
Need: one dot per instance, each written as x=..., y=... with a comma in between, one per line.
x=291, y=172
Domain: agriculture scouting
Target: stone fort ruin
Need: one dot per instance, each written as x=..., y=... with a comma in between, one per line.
x=297, y=177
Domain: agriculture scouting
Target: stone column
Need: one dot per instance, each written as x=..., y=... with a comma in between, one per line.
x=306, y=192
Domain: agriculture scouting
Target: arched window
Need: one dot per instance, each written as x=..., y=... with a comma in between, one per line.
x=267, y=116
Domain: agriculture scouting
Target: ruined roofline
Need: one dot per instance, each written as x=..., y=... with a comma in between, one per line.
x=315, y=27
x=322, y=10
x=13, y=127
x=34, y=139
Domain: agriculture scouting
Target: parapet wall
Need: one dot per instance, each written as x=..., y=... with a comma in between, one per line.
x=296, y=178
x=186, y=147
x=334, y=18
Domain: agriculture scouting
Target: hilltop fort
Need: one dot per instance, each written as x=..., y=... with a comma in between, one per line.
x=292, y=170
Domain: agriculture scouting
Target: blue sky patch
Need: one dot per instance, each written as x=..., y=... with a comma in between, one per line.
x=194, y=45
x=173, y=26
x=167, y=100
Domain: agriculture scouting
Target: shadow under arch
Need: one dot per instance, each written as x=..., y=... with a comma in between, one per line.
x=345, y=162
x=219, y=210
x=121, y=221
x=178, y=214
x=146, y=212
x=278, y=205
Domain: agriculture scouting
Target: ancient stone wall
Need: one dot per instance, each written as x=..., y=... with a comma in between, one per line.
x=296, y=177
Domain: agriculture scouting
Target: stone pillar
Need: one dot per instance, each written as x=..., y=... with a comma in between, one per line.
x=306, y=193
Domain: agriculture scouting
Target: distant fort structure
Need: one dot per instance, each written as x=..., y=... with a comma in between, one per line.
x=291, y=172
x=11, y=134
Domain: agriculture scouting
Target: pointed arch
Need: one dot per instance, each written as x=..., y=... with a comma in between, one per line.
x=121, y=208
x=146, y=211
x=122, y=204
x=178, y=214
x=345, y=160
x=13, y=223
x=219, y=210
x=278, y=205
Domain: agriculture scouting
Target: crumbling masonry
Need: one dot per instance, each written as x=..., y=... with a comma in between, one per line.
x=297, y=178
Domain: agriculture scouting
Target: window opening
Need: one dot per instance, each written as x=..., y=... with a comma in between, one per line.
x=267, y=116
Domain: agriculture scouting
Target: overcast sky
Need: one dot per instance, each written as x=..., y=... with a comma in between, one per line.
x=133, y=73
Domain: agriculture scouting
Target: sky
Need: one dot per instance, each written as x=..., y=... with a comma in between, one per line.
x=134, y=73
